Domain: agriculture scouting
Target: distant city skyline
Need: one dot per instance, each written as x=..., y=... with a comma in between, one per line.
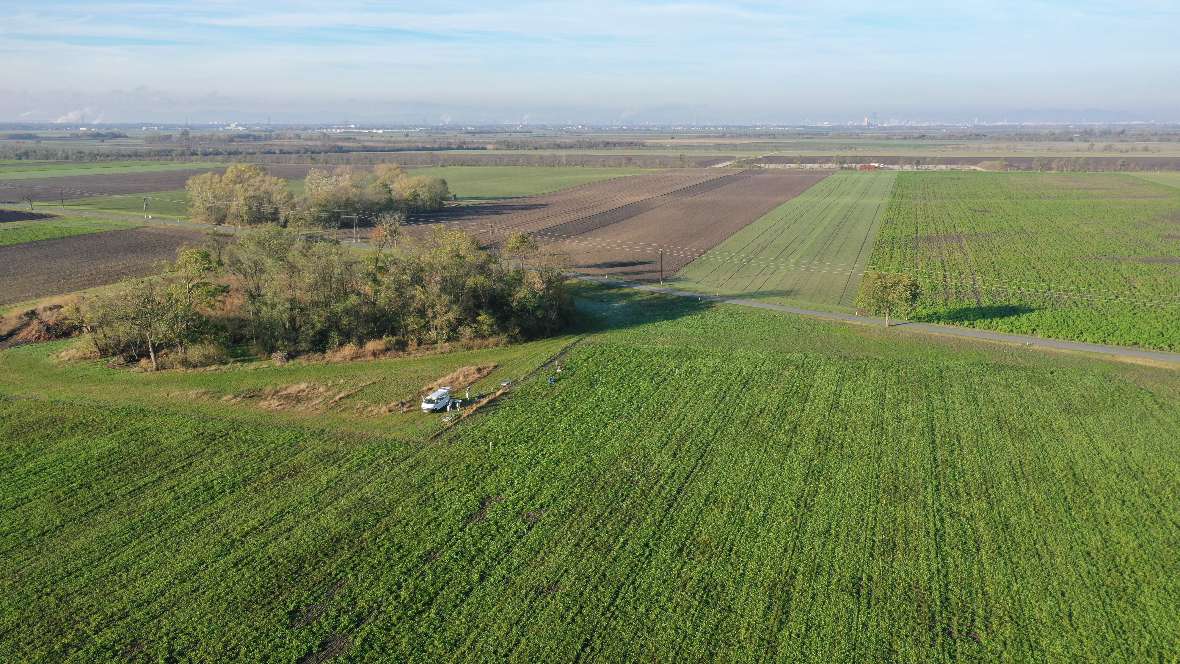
x=611, y=62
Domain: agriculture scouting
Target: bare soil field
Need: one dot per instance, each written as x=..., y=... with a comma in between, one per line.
x=683, y=228
x=494, y=221
x=51, y=267
x=619, y=227
x=84, y=186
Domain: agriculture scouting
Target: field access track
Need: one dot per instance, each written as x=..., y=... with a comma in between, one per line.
x=51, y=267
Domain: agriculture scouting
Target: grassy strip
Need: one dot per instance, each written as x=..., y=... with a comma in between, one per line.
x=171, y=204
x=25, y=170
x=1166, y=179
x=19, y=232
x=810, y=249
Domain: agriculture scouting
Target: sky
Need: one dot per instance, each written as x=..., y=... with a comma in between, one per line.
x=601, y=62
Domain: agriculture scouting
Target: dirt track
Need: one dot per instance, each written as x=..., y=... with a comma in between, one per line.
x=52, y=267
x=83, y=186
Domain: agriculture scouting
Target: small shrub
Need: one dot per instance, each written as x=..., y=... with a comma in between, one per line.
x=204, y=355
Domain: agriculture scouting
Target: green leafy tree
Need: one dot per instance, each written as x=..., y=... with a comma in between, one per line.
x=330, y=195
x=245, y=195
x=422, y=192
x=888, y=295
x=155, y=315
x=521, y=246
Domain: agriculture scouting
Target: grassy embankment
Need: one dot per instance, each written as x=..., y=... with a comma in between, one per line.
x=19, y=232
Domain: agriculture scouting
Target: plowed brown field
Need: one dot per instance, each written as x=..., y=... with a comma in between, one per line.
x=619, y=227
x=84, y=186
x=51, y=267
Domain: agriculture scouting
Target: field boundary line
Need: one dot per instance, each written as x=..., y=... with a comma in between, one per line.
x=1117, y=352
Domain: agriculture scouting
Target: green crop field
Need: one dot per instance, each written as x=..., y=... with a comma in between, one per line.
x=810, y=249
x=1167, y=179
x=1092, y=257
x=701, y=483
x=160, y=203
x=26, y=170
x=19, y=232
x=489, y=182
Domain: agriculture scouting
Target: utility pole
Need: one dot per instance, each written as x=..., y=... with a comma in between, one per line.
x=145, y=207
x=61, y=194
x=661, y=267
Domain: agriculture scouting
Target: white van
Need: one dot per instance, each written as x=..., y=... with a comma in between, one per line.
x=437, y=400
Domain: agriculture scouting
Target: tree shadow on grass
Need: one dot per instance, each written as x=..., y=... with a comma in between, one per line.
x=764, y=294
x=610, y=265
x=975, y=314
x=602, y=307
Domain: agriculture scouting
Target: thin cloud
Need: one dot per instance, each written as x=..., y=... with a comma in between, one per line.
x=742, y=59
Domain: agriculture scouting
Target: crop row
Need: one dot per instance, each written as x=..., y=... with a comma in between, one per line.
x=811, y=248
x=1093, y=257
x=702, y=485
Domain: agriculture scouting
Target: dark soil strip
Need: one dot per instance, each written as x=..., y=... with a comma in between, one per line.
x=65, y=265
x=684, y=228
x=332, y=647
x=19, y=215
x=85, y=186
x=603, y=219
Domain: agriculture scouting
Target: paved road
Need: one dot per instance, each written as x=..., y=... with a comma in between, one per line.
x=1119, y=352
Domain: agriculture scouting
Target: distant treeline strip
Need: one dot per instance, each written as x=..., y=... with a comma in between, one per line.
x=993, y=162
x=358, y=155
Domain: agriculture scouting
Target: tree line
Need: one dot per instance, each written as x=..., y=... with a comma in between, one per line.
x=245, y=195
x=277, y=291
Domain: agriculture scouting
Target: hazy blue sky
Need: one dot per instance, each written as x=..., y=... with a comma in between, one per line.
x=604, y=61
